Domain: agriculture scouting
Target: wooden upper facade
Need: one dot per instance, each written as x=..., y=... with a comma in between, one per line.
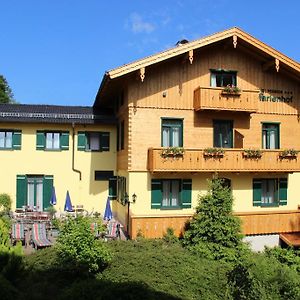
x=177, y=84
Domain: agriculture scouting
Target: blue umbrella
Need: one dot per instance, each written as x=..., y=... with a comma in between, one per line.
x=53, y=197
x=68, y=204
x=108, y=213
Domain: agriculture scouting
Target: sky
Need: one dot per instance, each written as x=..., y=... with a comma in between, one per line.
x=57, y=51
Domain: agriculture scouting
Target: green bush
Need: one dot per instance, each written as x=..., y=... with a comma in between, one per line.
x=169, y=236
x=5, y=203
x=77, y=248
x=214, y=232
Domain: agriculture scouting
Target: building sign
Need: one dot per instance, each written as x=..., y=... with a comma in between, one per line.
x=269, y=95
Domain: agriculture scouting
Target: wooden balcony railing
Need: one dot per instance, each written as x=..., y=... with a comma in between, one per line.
x=233, y=160
x=208, y=98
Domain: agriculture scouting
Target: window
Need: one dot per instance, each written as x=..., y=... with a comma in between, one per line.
x=49, y=140
x=270, y=136
x=103, y=175
x=10, y=139
x=34, y=191
x=270, y=192
x=222, y=78
x=171, y=193
x=172, y=133
x=120, y=136
x=93, y=141
x=223, y=133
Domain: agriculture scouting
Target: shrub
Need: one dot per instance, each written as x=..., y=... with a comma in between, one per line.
x=169, y=236
x=78, y=249
x=214, y=232
x=5, y=203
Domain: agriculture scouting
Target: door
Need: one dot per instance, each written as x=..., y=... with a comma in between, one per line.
x=35, y=193
x=223, y=135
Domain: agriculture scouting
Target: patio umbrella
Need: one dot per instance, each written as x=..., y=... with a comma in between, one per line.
x=68, y=204
x=53, y=197
x=108, y=213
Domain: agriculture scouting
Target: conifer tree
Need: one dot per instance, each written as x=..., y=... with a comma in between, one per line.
x=6, y=94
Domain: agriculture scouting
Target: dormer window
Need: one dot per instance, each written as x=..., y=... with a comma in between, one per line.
x=222, y=78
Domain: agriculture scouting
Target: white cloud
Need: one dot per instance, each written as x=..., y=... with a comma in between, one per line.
x=138, y=25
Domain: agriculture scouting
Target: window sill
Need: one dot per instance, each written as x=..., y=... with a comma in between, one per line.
x=170, y=207
x=270, y=205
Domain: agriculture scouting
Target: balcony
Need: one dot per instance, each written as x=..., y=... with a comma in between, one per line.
x=233, y=160
x=208, y=98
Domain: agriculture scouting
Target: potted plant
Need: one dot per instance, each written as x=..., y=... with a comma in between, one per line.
x=231, y=89
x=213, y=152
x=252, y=153
x=172, y=152
x=288, y=153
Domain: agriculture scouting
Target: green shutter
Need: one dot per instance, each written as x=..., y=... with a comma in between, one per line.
x=112, y=188
x=40, y=140
x=47, y=190
x=256, y=192
x=156, y=193
x=81, y=141
x=186, y=193
x=104, y=141
x=16, y=140
x=21, y=191
x=64, y=140
x=283, y=191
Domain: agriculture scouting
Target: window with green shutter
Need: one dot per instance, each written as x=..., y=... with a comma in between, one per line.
x=52, y=140
x=112, y=187
x=171, y=193
x=10, y=139
x=93, y=141
x=269, y=192
x=34, y=191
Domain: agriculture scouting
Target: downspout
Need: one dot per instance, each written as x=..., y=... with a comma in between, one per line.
x=73, y=152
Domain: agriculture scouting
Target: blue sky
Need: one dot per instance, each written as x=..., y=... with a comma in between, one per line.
x=56, y=52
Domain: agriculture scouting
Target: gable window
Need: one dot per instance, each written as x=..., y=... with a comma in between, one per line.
x=171, y=193
x=222, y=78
x=34, y=191
x=172, y=133
x=120, y=136
x=270, y=192
x=270, y=136
x=50, y=140
x=10, y=139
x=93, y=141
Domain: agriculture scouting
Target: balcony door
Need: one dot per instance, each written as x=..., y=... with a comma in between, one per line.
x=223, y=134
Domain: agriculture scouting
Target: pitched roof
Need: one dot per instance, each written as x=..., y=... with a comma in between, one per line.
x=240, y=34
x=30, y=113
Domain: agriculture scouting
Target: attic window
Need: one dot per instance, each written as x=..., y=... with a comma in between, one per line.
x=222, y=78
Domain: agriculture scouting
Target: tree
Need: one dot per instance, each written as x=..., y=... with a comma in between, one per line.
x=214, y=231
x=6, y=94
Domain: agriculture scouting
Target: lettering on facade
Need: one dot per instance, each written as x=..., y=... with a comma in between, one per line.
x=270, y=95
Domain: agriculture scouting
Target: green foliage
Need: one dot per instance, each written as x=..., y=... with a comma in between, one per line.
x=6, y=95
x=252, y=153
x=169, y=236
x=214, y=232
x=289, y=256
x=289, y=153
x=5, y=203
x=219, y=152
x=78, y=249
x=172, y=152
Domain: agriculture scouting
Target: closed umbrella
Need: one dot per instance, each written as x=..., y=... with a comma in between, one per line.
x=108, y=213
x=53, y=197
x=68, y=204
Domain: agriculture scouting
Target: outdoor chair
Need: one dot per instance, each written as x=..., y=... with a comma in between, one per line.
x=17, y=233
x=39, y=237
x=113, y=230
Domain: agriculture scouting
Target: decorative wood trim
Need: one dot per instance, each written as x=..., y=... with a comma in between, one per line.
x=191, y=56
x=234, y=40
x=277, y=64
x=142, y=74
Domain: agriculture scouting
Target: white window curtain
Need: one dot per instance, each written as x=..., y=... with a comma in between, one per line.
x=272, y=139
x=48, y=140
x=175, y=136
x=39, y=195
x=213, y=80
x=175, y=193
x=30, y=193
x=56, y=140
x=166, y=193
x=166, y=137
x=94, y=141
x=2, y=139
x=8, y=139
x=268, y=191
